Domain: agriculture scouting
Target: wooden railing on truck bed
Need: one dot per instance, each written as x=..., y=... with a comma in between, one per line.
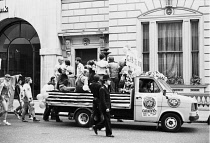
x=121, y=101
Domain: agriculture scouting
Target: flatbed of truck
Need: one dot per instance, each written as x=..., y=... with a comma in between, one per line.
x=72, y=99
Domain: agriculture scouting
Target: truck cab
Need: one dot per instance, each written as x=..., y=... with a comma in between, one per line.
x=155, y=101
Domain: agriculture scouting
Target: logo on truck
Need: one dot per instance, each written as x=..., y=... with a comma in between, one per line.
x=173, y=102
x=149, y=102
x=149, y=108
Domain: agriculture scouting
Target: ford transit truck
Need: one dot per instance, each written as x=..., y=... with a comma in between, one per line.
x=161, y=105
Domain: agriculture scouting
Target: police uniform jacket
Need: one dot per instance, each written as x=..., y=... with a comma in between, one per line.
x=104, y=98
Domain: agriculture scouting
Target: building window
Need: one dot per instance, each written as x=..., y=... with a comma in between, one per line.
x=195, y=47
x=170, y=55
x=145, y=46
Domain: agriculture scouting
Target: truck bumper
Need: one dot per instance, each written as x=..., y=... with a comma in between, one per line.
x=194, y=118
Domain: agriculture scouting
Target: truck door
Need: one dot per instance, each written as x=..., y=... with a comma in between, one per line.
x=147, y=102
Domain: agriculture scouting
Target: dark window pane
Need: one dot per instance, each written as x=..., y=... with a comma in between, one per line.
x=195, y=48
x=13, y=31
x=145, y=47
x=27, y=31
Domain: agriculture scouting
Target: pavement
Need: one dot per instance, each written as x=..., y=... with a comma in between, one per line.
x=203, y=113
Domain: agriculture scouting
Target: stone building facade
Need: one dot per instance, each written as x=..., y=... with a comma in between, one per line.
x=171, y=36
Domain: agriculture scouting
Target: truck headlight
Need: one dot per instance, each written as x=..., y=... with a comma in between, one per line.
x=194, y=107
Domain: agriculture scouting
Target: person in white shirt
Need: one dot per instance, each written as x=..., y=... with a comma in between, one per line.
x=80, y=66
x=102, y=66
x=28, y=100
x=61, y=65
x=50, y=86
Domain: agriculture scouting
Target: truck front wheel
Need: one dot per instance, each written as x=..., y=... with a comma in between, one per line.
x=82, y=118
x=171, y=122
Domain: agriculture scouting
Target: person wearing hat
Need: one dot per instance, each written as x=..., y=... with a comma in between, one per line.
x=4, y=97
x=94, y=88
x=104, y=107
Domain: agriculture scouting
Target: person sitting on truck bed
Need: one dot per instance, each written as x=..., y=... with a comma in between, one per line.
x=82, y=82
x=63, y=82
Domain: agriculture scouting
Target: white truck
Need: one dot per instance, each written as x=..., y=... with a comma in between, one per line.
x=161, y=105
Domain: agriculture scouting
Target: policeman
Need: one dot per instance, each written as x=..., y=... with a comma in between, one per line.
x=105, y=107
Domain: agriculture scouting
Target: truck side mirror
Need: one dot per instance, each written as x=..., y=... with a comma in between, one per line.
x=164, y=94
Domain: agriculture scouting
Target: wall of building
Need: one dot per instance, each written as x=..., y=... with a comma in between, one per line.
x=44, y=16
x=79, y=16
x=118, y=18
x=121, y=21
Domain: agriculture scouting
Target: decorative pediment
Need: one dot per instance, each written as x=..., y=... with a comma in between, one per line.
x=170, y=11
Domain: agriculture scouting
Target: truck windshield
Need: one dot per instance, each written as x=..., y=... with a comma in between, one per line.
x=165, y=86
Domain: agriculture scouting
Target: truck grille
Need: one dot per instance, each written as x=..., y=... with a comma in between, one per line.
x=194, y=107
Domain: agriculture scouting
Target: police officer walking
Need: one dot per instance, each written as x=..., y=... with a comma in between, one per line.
x=105, y=107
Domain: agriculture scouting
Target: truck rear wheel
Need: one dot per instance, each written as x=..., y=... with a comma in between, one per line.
x=82, y=118
x=171, y=122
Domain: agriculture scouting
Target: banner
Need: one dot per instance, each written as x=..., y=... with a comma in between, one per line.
x=133, y=60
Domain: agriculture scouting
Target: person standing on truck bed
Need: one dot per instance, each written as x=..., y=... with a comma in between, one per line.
x=105, y=107
x=102, y=66
x=80, y=66
x=70, y=73
x=94, y=87
x=58, y=66
x=114, y=72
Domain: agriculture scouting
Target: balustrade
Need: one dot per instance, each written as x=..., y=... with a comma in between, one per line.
x=203, y=100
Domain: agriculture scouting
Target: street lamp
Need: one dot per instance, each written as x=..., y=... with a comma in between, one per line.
x=103, y=48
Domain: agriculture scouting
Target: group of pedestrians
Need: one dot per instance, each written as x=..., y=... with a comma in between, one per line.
x=24, y=95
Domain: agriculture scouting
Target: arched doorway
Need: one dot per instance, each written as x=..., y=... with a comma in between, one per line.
x=19, y=52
